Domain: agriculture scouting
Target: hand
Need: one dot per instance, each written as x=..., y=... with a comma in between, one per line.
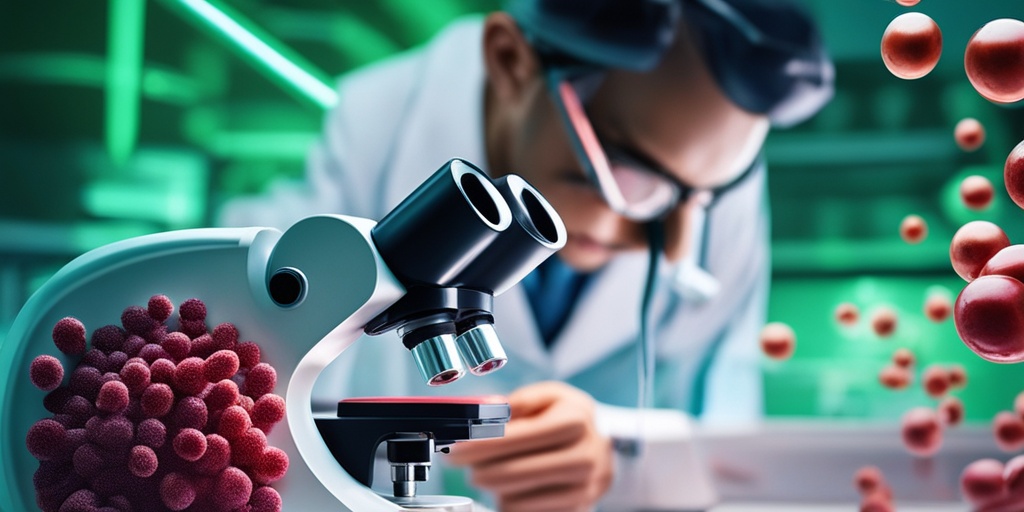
x=551, y=458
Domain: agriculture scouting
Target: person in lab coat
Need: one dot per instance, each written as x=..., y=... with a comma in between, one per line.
x=681, y=95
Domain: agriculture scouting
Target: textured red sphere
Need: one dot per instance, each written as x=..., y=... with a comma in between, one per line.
x=884, y=321
x=895, y=377
x=1009, y=262
x=976, y=192
x=903, y=358
x=913, y=229
x=994, y=60
x=778, y=341
x=1013, y=174
x=982, y=481
x=973, y=245
x=868, y=478
x=938, y=307
x=847, y=314
x=911, y=45
x=1008, y=429
x=922, y=431
x=989, y=317
x=969, y=134
x=951, y=411
x=935, y=381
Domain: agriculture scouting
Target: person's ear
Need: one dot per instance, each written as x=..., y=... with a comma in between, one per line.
x=509, y=59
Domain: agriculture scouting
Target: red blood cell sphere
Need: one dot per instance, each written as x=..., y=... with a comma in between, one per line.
x=1007, y=262
x=1008, y=429
x=261, y=380
x=847, y=314
x=957, y=376
x=895, y=377
x=177, y=492
x=989, y=318
x=222, y=395
x=976, y=192
x=247, y=448
x=189, y=444
x=217, y=456
x=265, y=499
x=973, y=245
x=969, y=134
x=143, y=462
x=225, y=336
x=883, y=322
x=994, y=60
x=911, y=45
x=222, y=364
x=232, y=489
x=136, y=320
x=177, y=345
x=268, y=410
x=1018, y=404
x=108, y=338
x=951, y=411
x=876, y=502
x=157, y=400
x=903, y=358
x=248, y=354
x=46, y=372
x=982, y=481
x=234, y=422
x=162, y=371
x=1013, y=174
x=778, y=341
x=160, y=307
x=1013, y=474
x=908, y=3
x=867, y=479
x=271, y=466
x=151, y=432
x=45, y=440
x=113, y=397
x=192, y=309
x=913, y=229
x=135, y=376
x=938, y=307
x=69, y=336
x=922, y=432
x=188, y=376
x=935, y=381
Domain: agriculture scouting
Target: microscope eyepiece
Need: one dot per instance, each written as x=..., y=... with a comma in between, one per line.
x=438, y=360
x=480, y=349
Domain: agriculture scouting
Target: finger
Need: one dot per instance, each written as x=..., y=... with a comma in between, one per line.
x=539, y=470
x=521, y=437
x=536, y=398
x=552, y=499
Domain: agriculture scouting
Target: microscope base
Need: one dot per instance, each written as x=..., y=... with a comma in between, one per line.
x=452, y=503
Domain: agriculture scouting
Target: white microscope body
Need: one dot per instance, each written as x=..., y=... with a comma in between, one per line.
x=304, y=295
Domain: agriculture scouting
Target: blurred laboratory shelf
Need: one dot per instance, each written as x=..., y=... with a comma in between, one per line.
x=785, y=462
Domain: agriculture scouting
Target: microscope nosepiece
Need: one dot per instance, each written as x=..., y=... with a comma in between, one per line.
x=481, y=350
x=438, y=360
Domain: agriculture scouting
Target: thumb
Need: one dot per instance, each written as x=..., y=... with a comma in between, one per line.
x=536, y=398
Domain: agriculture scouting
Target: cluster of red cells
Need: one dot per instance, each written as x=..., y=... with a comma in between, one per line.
x=875, y=493
x=156, y=420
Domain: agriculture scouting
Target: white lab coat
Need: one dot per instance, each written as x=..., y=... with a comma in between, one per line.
x=396, y=123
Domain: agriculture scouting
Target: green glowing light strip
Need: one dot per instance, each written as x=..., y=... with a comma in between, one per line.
x=124, y=76
x=268, y=54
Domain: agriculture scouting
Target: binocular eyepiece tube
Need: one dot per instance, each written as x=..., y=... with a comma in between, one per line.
x=461, y=230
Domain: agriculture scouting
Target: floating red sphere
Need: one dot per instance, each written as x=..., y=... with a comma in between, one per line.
x=989, y=317
x=994, y=60
x=911, y=45
x=908, y=3
x=935, y=381
x=1013, y=174
x=951, y=411
x=913, y=229
x=969, y=134
x=778, y=341
x=847, y=314
x=903, y=358
x=1008, y=429
x=895, y=377
x=977, y=192
x=973, y=245
x=982, y=481
x=922, y=431
x=884, y=321
x=938, y=307
x=1009, y=262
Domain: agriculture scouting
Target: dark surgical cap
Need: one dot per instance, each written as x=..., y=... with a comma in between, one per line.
x=766, y=55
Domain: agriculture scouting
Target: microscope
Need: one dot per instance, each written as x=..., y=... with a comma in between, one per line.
x=428, y=270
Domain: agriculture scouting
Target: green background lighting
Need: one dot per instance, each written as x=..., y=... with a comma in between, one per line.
x=123, y=118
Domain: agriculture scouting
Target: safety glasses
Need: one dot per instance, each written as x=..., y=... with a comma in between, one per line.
x=632, y=184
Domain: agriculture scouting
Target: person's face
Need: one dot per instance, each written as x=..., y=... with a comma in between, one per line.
x=675, y=116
